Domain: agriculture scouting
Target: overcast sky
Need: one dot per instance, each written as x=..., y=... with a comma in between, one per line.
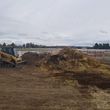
x=55, y=22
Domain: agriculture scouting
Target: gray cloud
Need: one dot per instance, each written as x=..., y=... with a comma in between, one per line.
x=55, y=22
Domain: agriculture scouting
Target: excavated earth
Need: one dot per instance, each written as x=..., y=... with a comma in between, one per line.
x=71, y=64
x=44, y=84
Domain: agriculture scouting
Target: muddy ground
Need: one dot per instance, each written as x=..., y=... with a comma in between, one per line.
x=68, y=80
x=23, y=88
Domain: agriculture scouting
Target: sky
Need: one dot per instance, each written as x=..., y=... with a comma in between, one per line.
x=55, y=22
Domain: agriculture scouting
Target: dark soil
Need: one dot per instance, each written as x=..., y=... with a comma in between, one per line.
x=87, y=79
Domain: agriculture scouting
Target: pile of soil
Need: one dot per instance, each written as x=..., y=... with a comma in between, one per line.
x=34, y=58
x=71, y=58
x=67, y=60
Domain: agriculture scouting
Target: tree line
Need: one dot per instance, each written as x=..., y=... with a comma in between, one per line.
x=27, y=45
x=32, y=45
x=101, y=46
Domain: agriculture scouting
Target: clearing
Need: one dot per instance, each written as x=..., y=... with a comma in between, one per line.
x=28, y=87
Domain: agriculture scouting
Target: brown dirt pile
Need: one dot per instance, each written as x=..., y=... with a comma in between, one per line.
x=34, y=58
x=67, y=60
x=70, y=58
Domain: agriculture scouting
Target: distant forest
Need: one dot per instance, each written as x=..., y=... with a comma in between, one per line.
x=29, y=45
x=32, y=45
x=101, y=46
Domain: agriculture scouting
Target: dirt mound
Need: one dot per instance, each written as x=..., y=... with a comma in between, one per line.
x=34, y=58
x=71, y=60
x=67, y=60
